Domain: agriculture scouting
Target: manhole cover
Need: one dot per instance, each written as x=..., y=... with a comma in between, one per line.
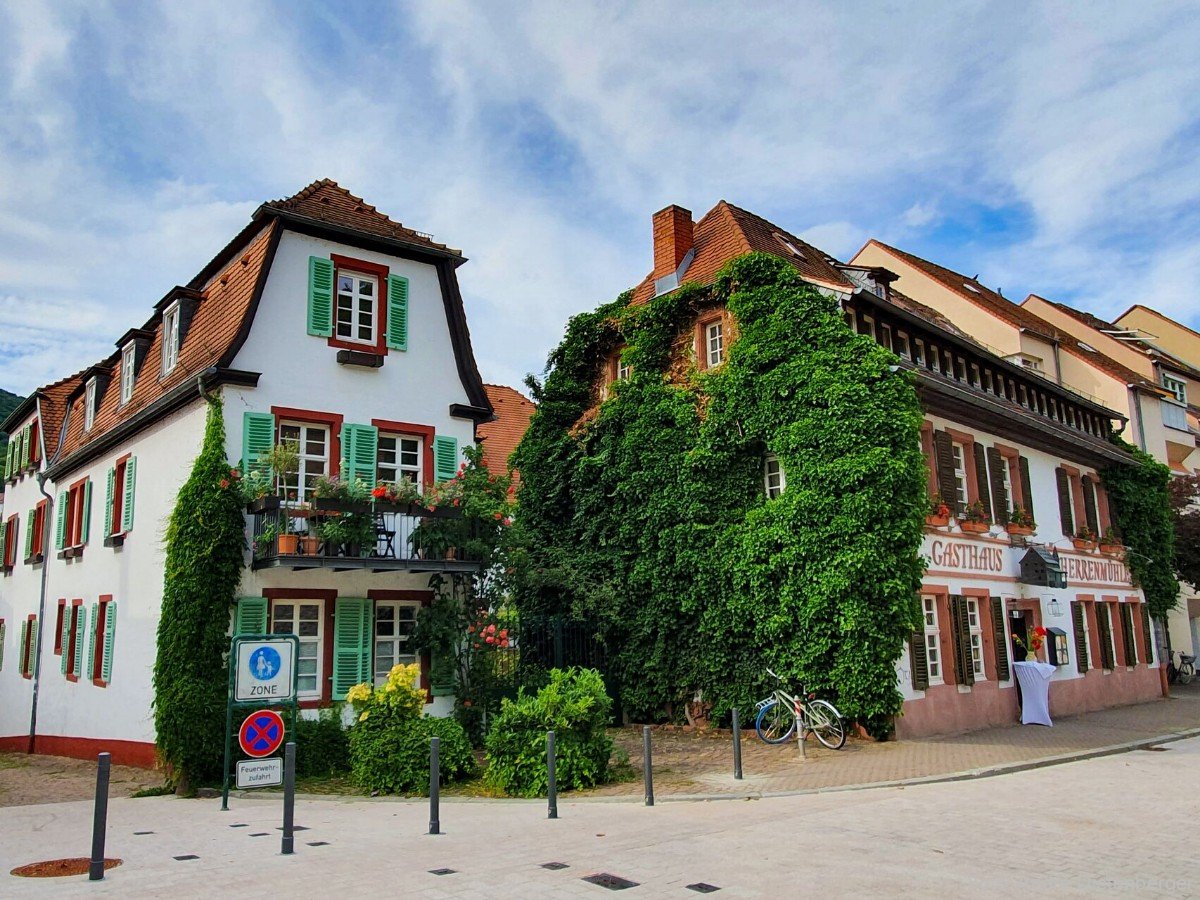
x=56, y=868
x=612, y=882
x=442, y=871
x=702, y=887
x=185, y=857
x=554, y=866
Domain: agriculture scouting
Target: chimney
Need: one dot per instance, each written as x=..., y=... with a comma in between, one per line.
x=673, y=238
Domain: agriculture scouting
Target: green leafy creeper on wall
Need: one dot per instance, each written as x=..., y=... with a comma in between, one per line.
x=650, y=516
x=203, y=567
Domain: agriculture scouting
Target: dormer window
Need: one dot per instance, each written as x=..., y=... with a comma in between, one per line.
x=89, y=404
x=1177, y=386
x=128, y=354
x=170, y=338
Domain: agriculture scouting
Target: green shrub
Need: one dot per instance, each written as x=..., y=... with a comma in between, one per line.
x=576, y=708
x=390, y=753
x=322, y=745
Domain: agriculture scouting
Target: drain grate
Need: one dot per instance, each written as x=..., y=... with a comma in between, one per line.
x=138, y=833
x=318, y=843
x=186, y=856
x=442, y=872
x=261, y=834
x=555, y=866
x=612, y=882
x=703, y=887
x=294, y=828
x=240, y=825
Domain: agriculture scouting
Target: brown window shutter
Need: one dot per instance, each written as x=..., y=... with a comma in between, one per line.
x=943, y=455
x=1066, y=514
x=918, y=661
x=1089, y=508
x=1000, y=500
x=981, y=478
x=1104, y=632
x=1026, y=485
x=1147, y=637
x=1128, y=639
x=1081, y=662
x=962, y=640
x=1000, y=639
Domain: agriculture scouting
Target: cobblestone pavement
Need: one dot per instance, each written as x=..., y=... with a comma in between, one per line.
x=1109, y=826
x=686, y=763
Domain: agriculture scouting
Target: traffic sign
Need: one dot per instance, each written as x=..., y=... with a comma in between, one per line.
x=256, y=773
x=264, y=669
x=262, y=733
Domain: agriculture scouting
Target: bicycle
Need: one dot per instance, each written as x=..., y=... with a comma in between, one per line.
x=1184, y=672
x=780, y=714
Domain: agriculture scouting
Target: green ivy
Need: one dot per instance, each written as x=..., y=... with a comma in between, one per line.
x=205, y=540
x=1140, y=498
x=649, y=516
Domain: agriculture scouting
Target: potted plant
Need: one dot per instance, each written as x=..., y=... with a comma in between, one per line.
x=975, y=518
x=1084, y=539
x=1110, y=541
x=288, y=541
x=1020, y=521
x=310, y=543
x=264, y=541
x=939, y=512
x=350, y=534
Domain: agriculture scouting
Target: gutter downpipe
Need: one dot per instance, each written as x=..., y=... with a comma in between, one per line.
x=1141, y=427
x=1058, y=363
x=41, y=619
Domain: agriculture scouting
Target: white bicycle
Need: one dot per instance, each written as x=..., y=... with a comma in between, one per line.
x=782, y=713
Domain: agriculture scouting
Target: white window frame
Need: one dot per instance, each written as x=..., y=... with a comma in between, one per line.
x=170, y=338
x=397, y=642
x=933, y=639
x=89, y=404
x=417, y=473
x=302, y=490
x=128, y=354
x=714, y=343
x=959, y=453
x=623, y=369
x=1177, y=386
x=356, y=298
x=774, y=478
x=1006, y=476
x=317, y=640
x=975, y=627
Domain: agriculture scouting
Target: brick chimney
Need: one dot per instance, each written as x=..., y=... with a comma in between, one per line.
x=673, y=238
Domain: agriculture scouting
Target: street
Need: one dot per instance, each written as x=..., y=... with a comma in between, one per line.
x=1112, y=826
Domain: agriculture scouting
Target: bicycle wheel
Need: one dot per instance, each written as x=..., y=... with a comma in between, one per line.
x=823, y=721
x=1185, y=673
x=775, y=723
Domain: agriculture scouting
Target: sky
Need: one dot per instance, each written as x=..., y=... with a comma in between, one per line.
x=1048, y=147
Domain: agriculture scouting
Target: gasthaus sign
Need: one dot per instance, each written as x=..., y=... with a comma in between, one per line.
x=264, y=670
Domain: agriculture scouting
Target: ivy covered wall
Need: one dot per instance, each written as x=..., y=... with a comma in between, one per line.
x=648, y=513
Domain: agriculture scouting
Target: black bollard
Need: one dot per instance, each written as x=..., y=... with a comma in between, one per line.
x=737, y=746
x=435, y=786
x=647, y=768
x=100, y=818
x=551, y=779
x=289, y=798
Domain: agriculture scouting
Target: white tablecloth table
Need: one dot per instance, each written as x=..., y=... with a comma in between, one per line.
x=1034, y=678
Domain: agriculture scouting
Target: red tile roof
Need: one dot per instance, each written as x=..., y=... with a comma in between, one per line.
x=501, y=436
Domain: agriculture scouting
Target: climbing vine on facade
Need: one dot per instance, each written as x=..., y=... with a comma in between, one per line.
x=647, y=512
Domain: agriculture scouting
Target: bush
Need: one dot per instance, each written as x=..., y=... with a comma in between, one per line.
x=322, y=745
x=389, y=744
x=575, y=706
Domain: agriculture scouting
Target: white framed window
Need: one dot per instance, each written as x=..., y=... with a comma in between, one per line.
x=89, y=404
x=1176, y=386
x=305, y=619
x=960, y=473
x=933, y=647
x=398, y=456
x=127, y=363
x=170, y=338
x=357, y=308
x=774, y=478
x=395, y=621
x=976, y=630
x=312, y=448
x=918, y=355
x=901, y=345
x=1006, y=477
x=623, y=370
x=714, y=343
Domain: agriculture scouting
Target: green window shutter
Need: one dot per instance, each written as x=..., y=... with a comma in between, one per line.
x=445, y=457
x=60, y=525
x=1026, y=485
x=110, y=630
x=24, y=447
x=64, y=639
x=1000, y=639
x=1081, y=663
x=918, y=660
x=111, y=481
x=91, y=654
x=127, y=500
x=3, y=635
x=3, y=541
x=351, y=644
x=86, y=519
x=397, y=323
x=320, y=296
x=1147, y=637
x=360, y=445
x=258, y=437
x=1000, y=498
x=943, y=457
x=30, y=522
x=981, y=477
x=251, y=616
x=1066, y=514
x=80, y=630
x=24, y=646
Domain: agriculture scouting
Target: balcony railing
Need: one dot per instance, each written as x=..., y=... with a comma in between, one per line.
x=343, y=536
x=1174, y=415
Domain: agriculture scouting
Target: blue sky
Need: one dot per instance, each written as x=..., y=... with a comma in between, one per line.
x=1049, y=147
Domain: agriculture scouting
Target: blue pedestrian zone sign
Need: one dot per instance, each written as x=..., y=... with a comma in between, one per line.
x=265, y=669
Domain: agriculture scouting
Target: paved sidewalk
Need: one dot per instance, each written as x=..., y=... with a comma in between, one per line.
x=688, y=764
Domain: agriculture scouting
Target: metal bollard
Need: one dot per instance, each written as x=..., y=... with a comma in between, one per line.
x=647, y=766
x=435, y=786
x=289, y=798
x=100, y=818
x=737, y=746
x=551, y=778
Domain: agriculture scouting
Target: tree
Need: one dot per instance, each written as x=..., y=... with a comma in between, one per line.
x=1185, y=510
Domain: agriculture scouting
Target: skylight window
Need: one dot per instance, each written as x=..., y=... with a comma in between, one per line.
x=796, y=251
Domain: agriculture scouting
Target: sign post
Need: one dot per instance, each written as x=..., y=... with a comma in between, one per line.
x=262, y=674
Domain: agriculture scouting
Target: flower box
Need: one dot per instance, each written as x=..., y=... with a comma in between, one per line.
x=1112, y=549
x=334, y=504
x=974, y=527
x=937, y=521
x=268, y=503
x=1082, y=544
x=1022, y=530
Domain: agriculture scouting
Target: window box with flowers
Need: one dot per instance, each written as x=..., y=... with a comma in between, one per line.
x=1020, y=522
x=939, y=512
x=1110, y=542
x=1084, y=539
x=975, y=519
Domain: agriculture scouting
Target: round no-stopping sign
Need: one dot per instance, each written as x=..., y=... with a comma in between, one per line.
x=262, y=733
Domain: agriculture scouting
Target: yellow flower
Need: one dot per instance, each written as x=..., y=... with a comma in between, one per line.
x=363, y=717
